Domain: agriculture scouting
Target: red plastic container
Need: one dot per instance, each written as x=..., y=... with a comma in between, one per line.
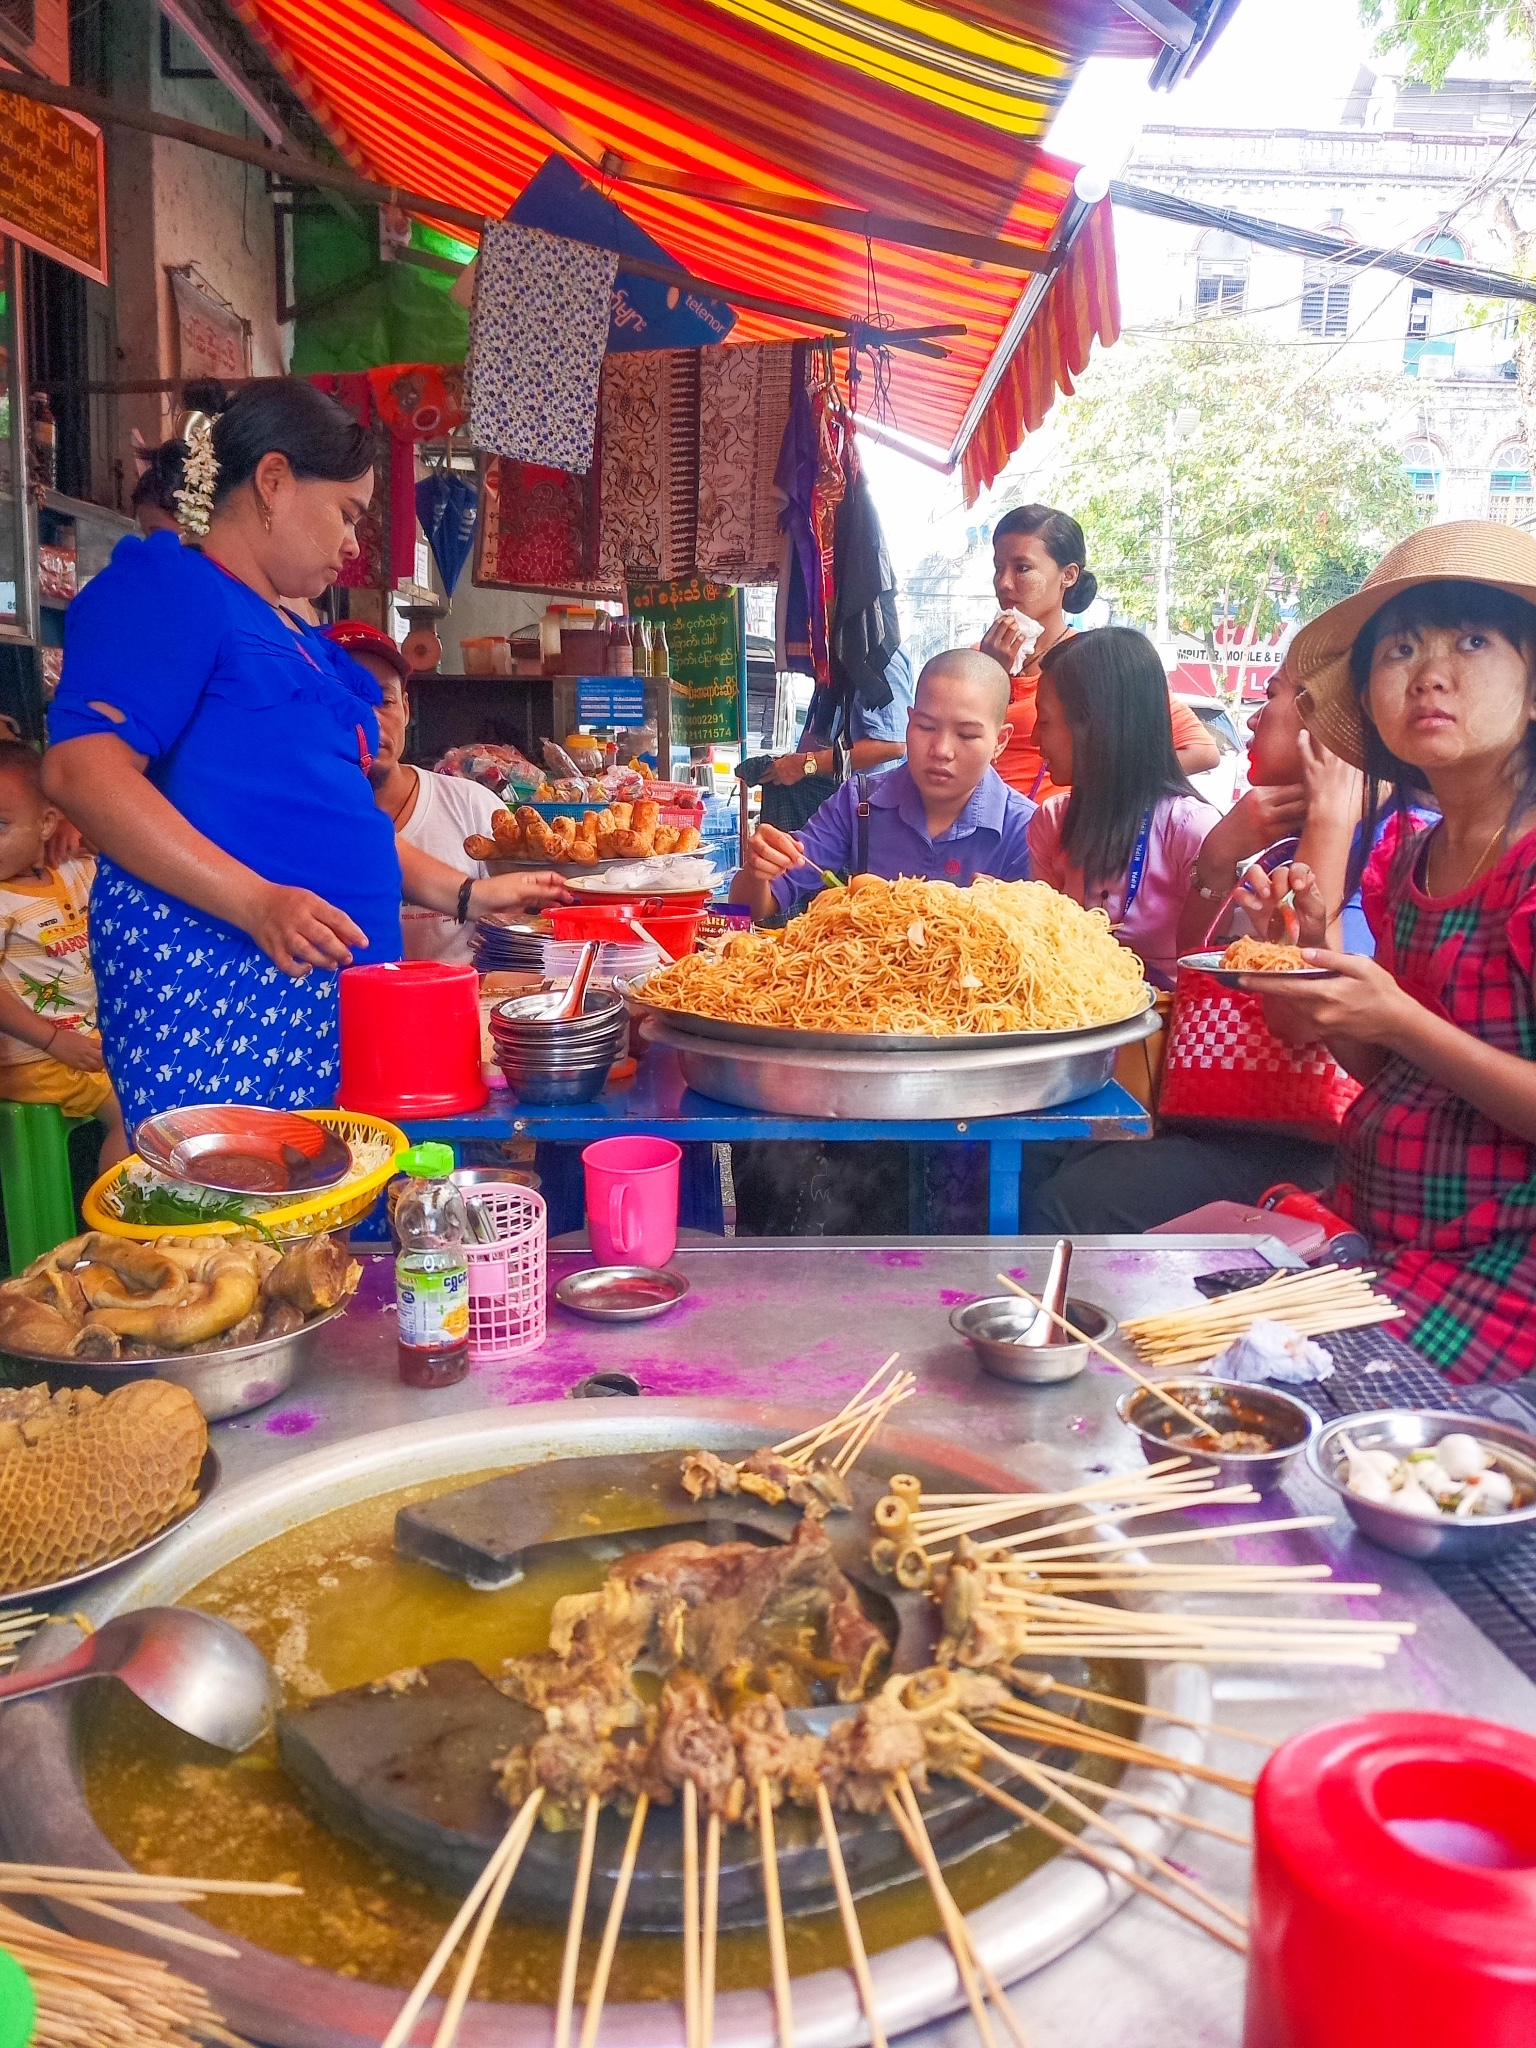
x=410, y=1040
x=1394, y=1887
x=675, y=932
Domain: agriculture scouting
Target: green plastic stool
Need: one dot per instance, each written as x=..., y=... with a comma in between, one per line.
x=35, y=1185
x=18, y=2005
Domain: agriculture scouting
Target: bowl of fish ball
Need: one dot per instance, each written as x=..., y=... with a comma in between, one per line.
x=1256, y=1434
x=995, y=1330
x=1429, y=1484
x=230, y=1319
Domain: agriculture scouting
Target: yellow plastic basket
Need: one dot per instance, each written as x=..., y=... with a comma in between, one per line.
x=374, y=1145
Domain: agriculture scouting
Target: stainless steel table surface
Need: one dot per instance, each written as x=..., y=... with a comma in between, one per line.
x=809, y=1320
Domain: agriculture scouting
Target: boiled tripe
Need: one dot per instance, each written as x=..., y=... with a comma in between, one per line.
x=85, y=1478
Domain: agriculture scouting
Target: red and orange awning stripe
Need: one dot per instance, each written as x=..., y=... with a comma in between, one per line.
x=931, y=112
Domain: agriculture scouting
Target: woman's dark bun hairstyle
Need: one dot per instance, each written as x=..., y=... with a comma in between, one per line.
x=285, y=416
x=162, y=478
x=1062, y=538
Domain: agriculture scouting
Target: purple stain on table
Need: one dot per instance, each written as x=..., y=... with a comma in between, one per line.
x=291, y=1422
x=956, y=1297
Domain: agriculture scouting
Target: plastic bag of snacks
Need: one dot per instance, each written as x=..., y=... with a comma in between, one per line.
x=491, y=765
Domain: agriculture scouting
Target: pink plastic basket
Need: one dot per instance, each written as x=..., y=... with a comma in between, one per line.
x=507, y=1278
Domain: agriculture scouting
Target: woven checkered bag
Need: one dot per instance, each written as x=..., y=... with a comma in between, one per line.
x=1225, y=1065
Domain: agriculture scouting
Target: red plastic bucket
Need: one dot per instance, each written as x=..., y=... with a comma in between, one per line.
x=410, y=1040
x=1394, y=1887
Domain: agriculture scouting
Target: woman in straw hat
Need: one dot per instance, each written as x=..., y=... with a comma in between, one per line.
x=1426, y=678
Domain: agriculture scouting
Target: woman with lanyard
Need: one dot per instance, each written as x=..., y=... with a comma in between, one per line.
x=1126, y=836
x=216, y=750
x=1040, y=573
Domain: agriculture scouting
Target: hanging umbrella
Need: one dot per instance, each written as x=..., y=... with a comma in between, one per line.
x=446, y=506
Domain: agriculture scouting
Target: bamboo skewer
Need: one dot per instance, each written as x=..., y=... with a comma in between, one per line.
x=92, y=1996
x=1325, y=1299
x=802, y=1449
x=778, y=1949
x=853, y=1934
x=511, y=1855
x=1039, y=1724
x=179, y=1937
x=711, y=1931
x=1170, y=1536
x=1101, y=1351
x=1038, y=1682
x=421, y=1990
x=990, y=1985
x=137, y=1880
x=592, y=2019
x=1031, y=1774
x=1114, y=1795
x=1089, y=1854
x=691, y=1957
x=921, y=1850
x=577, y=1922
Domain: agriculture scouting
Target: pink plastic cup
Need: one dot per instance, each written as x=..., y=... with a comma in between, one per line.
x=632, y=1200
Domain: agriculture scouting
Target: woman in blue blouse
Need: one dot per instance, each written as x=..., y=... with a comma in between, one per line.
x=215, y=749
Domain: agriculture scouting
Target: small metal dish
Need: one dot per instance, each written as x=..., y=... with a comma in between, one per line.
x=1286, y=1423
x=993, y=1328
x=238, y=1149
x=208, y=1475
x=1445, y=1540
x=621, y=1294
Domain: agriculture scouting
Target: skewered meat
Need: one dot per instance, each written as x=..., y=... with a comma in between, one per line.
x=771, y=1478
x=768, y=1748
x=692, y=1742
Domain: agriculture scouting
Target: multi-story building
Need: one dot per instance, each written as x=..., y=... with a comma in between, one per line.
x=1445, y=172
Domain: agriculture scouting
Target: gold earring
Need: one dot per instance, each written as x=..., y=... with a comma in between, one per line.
x=266, y=512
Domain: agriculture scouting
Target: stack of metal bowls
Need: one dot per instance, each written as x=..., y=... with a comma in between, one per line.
x=545, y=1061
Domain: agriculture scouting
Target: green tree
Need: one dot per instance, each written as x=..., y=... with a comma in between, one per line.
x=1432, y=34
x=1284, y=483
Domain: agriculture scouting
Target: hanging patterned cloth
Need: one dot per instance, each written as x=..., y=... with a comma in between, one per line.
x=538, y=531
x=744, y=398
x=650, y=466
x=537, y=334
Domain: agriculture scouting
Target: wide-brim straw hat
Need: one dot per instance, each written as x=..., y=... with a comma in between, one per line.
x=1464, y=551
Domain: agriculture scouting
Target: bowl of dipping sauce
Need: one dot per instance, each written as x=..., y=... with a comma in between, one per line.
x=1262, y=1432
x=994, y=1327
x=1466, y=1519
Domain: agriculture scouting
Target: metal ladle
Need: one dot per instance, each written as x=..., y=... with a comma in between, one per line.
x=564, y=1009
x=193, y=1670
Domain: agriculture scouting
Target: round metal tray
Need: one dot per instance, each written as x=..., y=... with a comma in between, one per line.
x=621, y=1294
x=920, y=1086
x=268, y=1997
x=731, y=1033
x=223, y=1383
x=208, y=1475
x=1255, y=978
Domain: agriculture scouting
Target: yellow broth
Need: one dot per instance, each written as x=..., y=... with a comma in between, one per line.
x=332, y=1606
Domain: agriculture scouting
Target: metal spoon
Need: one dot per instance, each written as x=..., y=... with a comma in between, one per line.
x=193, y=1670
x=1053, y=1300
x=562, y=1009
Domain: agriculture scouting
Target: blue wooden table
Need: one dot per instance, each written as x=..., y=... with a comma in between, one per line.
x=657, y=1103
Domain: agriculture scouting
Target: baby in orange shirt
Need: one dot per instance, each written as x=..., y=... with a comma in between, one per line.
x=49, y=1047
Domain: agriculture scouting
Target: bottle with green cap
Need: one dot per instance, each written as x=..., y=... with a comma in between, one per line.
x=431, y=1270
x=18, y=2005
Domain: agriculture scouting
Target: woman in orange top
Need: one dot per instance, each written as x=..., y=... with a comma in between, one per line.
x=1040, y=568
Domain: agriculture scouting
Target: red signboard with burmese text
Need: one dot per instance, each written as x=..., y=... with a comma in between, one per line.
x=53, y=183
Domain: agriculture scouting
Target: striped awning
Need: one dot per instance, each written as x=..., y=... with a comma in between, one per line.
x=931, y=115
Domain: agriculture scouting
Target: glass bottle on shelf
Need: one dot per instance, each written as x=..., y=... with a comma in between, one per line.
x=621, y=652
x=661, y=654
x=45, y=443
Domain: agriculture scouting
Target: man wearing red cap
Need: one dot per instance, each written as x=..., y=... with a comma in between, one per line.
x=433, y=813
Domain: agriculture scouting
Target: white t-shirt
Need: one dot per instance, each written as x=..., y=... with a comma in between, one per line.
x=448, y=810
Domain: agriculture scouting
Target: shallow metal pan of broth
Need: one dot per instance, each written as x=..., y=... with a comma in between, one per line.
x=286, y=2004
x=774, y=1035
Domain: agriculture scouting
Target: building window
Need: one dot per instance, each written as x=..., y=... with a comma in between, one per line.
x=1510, y=494
x=1221, y=275
x=1421, y=460
x=1324, y=301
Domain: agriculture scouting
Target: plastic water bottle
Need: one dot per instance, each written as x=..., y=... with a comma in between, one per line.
x=431, y=1271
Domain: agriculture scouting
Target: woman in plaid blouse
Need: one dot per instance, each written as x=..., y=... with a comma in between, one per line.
x=1426, y=678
